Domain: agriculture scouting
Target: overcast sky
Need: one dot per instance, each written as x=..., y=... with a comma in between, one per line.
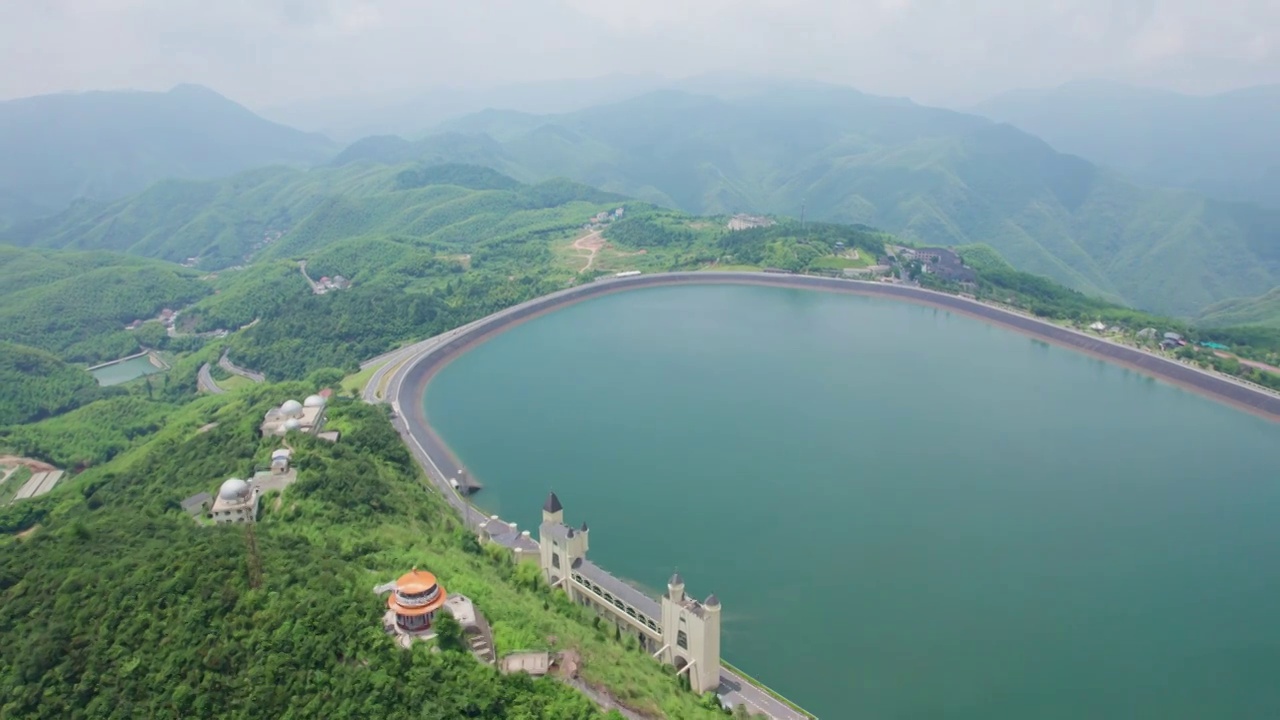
x=264, y=52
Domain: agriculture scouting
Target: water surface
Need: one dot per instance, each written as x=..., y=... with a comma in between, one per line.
x=906, y=513
x=124, y=371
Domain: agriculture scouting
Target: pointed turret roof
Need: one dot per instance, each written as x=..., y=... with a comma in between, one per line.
x=676, y=579
x=553, y=504
x=712, y=601
x=584, y=526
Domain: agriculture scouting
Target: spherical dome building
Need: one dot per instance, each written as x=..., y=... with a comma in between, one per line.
x=291, y=409
x=234, y=490
x=417, y=597
x=313, y=401
x=292, y=423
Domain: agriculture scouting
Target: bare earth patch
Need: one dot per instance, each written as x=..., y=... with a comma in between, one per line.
x=590, y=244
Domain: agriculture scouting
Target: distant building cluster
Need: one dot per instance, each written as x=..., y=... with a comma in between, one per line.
x=742, y=221
x=603, y=218
x=326, y=283
x=307, y=417
x=943, y=262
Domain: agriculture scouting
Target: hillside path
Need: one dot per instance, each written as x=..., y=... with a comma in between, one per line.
x=591, y=243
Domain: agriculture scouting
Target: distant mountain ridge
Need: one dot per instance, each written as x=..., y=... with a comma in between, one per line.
x=1223, y=145
x=930, y=175
x=104, y=145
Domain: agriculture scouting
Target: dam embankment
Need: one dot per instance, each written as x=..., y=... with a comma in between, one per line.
x=411, y=380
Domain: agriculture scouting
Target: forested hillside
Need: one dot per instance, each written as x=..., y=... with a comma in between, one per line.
x=77, y=304
x=1263, y=310
x=35, y=384
x=116, y=604
x=930, y=176
x=103, y=145
x=1221, y=145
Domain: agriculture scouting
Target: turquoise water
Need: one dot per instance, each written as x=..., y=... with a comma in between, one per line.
x=123, y=372
x=906, y=513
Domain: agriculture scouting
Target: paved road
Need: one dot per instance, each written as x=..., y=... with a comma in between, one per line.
x=225, y=363
x=205, y=381
x=734, y=690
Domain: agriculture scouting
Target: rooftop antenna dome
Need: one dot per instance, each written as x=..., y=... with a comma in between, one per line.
x=313, y=401
x=291, y=408
x=233, y=489
x=292, y=423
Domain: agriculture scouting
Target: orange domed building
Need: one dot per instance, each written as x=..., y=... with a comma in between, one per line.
x=416, y=598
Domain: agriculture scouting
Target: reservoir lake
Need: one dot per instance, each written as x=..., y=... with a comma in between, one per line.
x=906, y=513
x=125, y=370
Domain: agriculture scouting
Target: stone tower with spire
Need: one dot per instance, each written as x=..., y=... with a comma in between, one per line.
x=561, y=545
x=691, y=635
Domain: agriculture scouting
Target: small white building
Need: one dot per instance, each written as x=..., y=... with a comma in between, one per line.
x=237, y=502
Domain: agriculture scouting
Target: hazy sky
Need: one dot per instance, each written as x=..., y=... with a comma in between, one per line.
x=941, y=51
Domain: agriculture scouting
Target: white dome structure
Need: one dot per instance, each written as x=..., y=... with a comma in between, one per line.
x=291, y=409
x=292, y=423
x=313, y=401
x=234, y=489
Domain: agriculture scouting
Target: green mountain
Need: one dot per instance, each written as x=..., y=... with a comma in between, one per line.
x=76, y=304
x=1263, y=310
x=1221, y=145
x=35, y=384
x=193, y=620
x=459, y=240
x=931, y=176
x=284, y=212
x=104, y=145
x=412, y=114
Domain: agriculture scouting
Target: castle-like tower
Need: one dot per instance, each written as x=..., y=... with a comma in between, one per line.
x=677, y=630
x=691, y=635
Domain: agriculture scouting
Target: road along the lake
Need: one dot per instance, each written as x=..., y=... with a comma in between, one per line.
x=402, y=378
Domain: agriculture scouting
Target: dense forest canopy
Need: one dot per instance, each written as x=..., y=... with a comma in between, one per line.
x=35, y=384
x=76, y=305
x=118, y=605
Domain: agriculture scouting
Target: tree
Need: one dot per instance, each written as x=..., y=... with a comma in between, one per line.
x=449, y=635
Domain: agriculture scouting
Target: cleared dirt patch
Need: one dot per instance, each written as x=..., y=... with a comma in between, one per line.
x=590, y=244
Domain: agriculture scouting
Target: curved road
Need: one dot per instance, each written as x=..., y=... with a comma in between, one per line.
x=406, y=371
x=205, y=382
x=225, y=363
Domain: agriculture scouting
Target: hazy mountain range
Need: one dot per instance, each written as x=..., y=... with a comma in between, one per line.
x=1226, y=145
x=104, y=145
x=930, y=175
x=721, y=144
